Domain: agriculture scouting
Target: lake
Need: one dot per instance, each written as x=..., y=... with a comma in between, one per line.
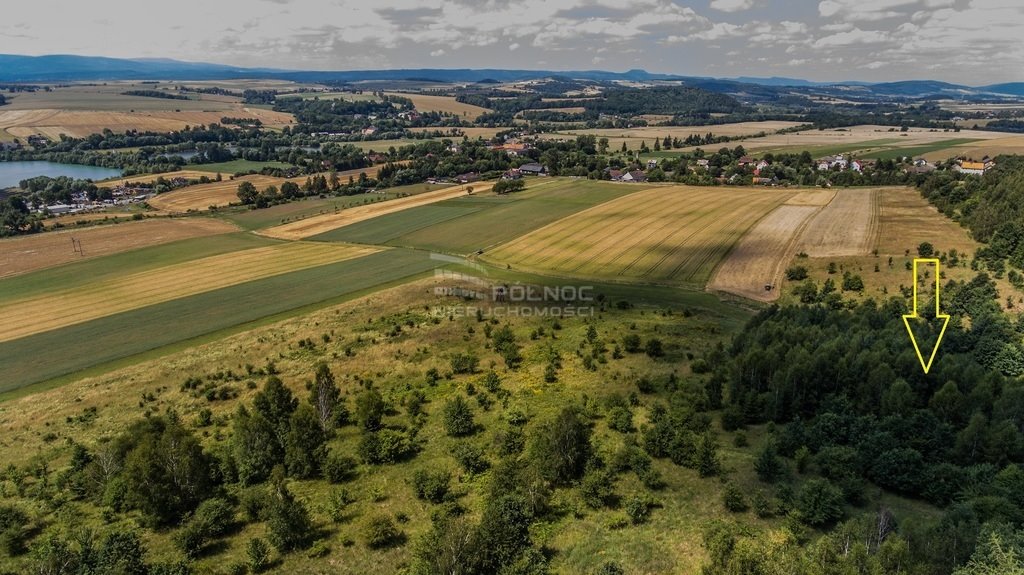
x=13, y=172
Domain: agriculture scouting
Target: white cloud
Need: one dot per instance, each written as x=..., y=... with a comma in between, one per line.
x=855, y=36
x=732, y=5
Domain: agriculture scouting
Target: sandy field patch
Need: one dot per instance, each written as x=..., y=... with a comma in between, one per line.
x=80, y=123
x=324, y=223
x=61, y=308
x=150, y=178
x=202, y=196
x=812, y=198
x=847, y=226
x=30, y=253
x=447, y=104
x=758, y=259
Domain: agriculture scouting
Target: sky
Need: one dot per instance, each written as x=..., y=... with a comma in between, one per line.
x=974, y=42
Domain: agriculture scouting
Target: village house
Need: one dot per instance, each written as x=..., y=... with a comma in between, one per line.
x=369, y=131
x=634, y=176
x=745, y=161
x=703, y=163
x=833, y=162
x=651, y=164
x=467, y=177
x=533, y=169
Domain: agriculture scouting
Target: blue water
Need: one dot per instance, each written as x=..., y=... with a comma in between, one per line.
x=13, y=172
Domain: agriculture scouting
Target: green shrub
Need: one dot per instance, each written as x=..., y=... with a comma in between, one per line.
x=598, y=488
x=470, y=457
x=380, y=532
x=338, y=468
x=620, y=419
x=430, y=486
x=458, y=417
x=258, y=553
x=638, y=507
x=733, y=498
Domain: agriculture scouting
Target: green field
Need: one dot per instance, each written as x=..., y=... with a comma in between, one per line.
x=238, y=166
x=107, y=99
x=469, y=224
x=915, y=151
x=56, y=353
x=390, y=227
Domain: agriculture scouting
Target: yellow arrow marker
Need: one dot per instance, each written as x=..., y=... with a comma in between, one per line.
x=938, y=314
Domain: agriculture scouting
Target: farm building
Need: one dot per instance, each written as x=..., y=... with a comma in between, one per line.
x=975, y=168
x=533, y=169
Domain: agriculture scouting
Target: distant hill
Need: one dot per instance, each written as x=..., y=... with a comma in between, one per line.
x=68, y=68
x=1012, y=89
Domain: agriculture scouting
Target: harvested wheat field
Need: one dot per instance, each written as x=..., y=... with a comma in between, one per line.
x=675, y=234
x=30, y=253
x=757, y=261
x=446, y=104
x=319, y=224
x=81, y=123
x=847, y=226
x=150, y=178
x=812, y=198
x=61, y=308
x=202, y=196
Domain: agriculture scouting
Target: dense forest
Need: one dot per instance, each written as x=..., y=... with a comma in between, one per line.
x=662, y=100
x=849, y=410
x=990, y=206
x=154, y=94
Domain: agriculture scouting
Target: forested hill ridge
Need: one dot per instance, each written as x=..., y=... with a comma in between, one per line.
x=69, y=68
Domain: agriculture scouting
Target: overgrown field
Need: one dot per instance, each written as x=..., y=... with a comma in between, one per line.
x=363, y=345
x=905, y=221
x=671, y=234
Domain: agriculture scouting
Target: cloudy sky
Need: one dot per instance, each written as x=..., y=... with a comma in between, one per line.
x=966, y=41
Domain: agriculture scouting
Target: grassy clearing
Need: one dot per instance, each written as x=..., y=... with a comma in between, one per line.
x=384, y=229
x=239, y=166
x=499, y=219
x=60, y=306
x=132, y=332
x=674, y=234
